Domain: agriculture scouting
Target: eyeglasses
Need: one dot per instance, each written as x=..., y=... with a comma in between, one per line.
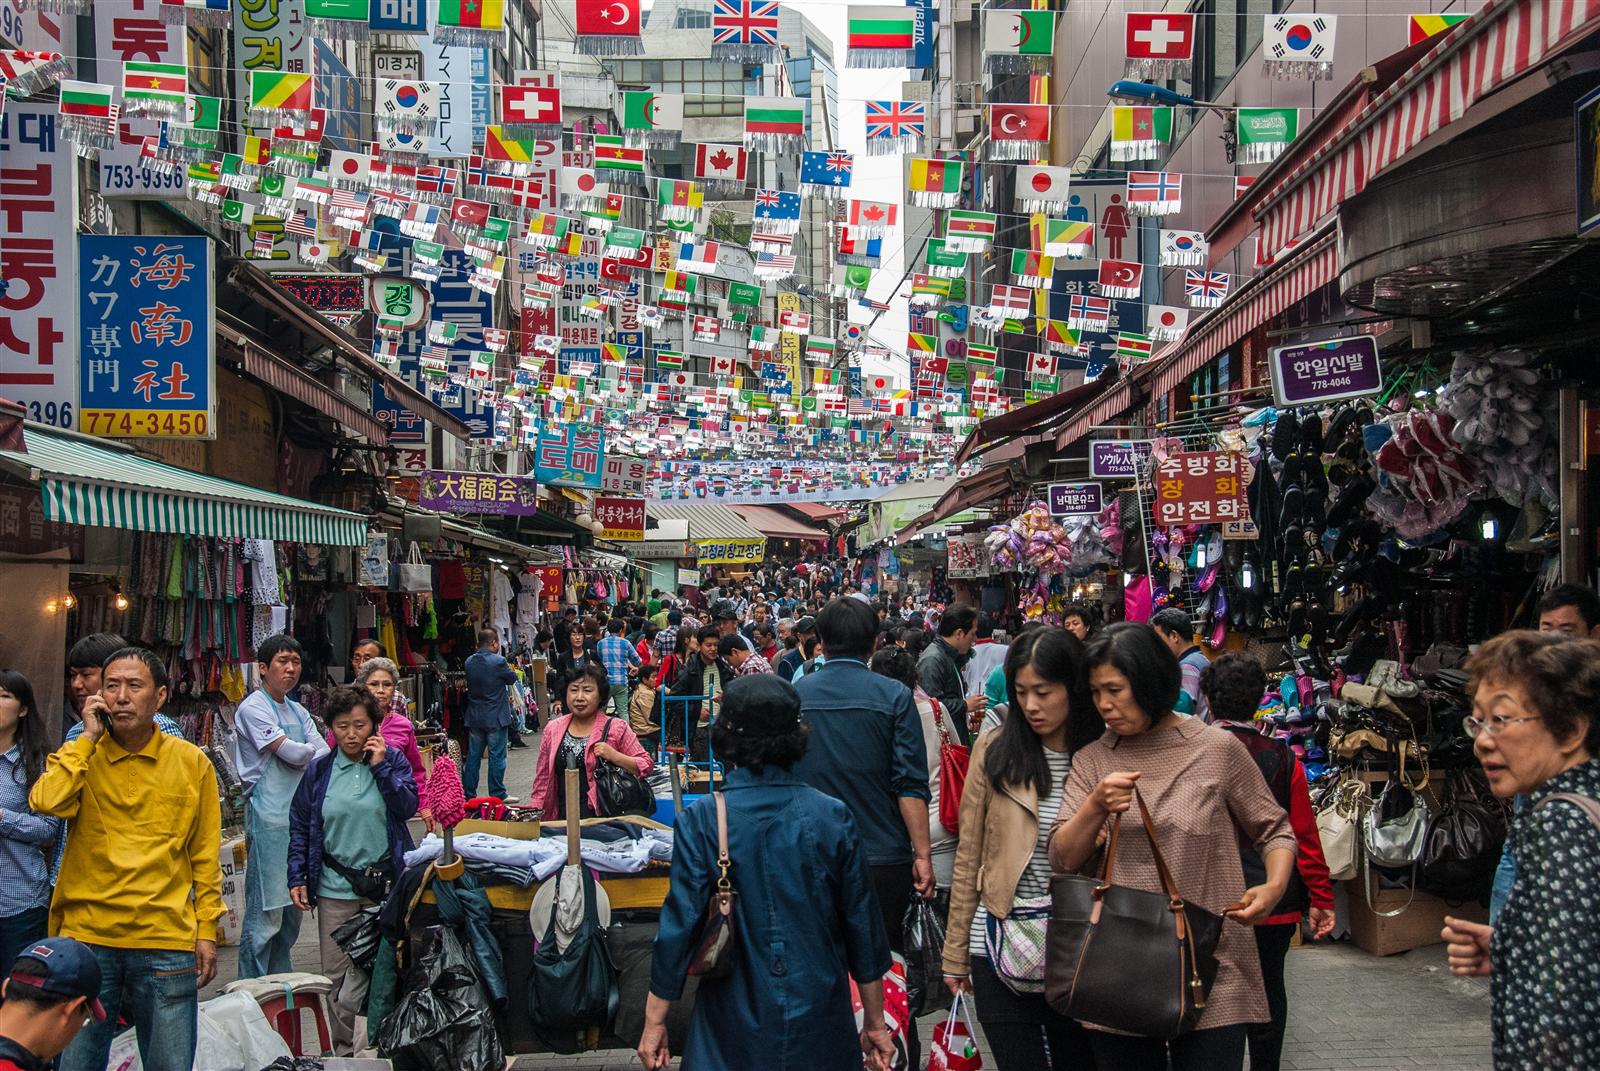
x=1494, y=725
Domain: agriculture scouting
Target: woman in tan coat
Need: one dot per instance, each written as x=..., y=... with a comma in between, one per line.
x=1000, y=894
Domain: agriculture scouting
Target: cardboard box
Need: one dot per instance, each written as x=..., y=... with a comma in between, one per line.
x=1416, y=927
x=233, y=863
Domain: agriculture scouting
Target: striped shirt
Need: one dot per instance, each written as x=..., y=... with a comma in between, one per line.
x=1035, y=879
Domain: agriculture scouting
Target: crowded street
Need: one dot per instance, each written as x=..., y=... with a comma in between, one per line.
x=799, y=535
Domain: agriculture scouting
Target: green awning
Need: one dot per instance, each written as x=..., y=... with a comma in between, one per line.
x=84, y=483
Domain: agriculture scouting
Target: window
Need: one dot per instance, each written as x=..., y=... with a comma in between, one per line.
x=1228, y=30
x=691, y=19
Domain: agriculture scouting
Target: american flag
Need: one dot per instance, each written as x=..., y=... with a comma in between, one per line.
x=777, y=242
x=1205, y=288
x=301, y=225
x=875, y=306
x=350, y=202
x=744, y=22
x=775, y=265
x=895, y=118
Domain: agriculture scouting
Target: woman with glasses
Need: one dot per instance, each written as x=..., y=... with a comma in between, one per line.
x=1535, y=727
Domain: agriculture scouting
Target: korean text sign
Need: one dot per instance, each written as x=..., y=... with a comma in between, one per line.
x=1200, y=488
x=1074, y=499
x=625, y=475
x=623, y=518
x=1326, y=371
x=569, y=454
x=729, y=551
x=146, y=341
x=1118, y=459
x=479, y=492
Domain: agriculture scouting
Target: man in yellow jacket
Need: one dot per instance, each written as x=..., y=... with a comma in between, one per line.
x=140, y=882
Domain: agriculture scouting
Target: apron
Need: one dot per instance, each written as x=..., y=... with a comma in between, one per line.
x=267, y=820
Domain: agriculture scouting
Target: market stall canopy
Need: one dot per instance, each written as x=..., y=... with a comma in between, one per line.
x=707, y=523
x=89, y=482
x=971, y=491
x=1038, y=419
x=816, y=511
x=776, y=525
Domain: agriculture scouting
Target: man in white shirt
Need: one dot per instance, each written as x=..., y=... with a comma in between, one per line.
x=987, y=652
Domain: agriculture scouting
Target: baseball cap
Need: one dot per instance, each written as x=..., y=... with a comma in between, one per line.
x=806, y=624
x=61, y=967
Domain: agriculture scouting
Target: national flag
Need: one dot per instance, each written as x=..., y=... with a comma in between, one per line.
x=488, y=14
x=930, y=175
x=1166, y=323
x=981, y=355
x=739, y=24
x=894, y=119
x=872, y=217
x=774, y=117
x=969, y=231
x=820, y=350
x=1299, y=46
x=852, y=278
x=1137, y=133
x=828, y=169
x=698, y=257
x=680, y=195
x=434, y=180
x=275, y=94
x=724, y=365
x=614, y=157
x=1031, y=269
x=621, y=241
x=943, y=260
x=530, y=107
x=1066, y=237
x=1041, y=364
x=1019, y=33
x=1010, y=302
x=85, y=100
x=791, y=322
x=300, y=225
x=615, y=18
x=466, y=212
x=237, y=213
x=1088, y=313
x=1133, y=347
x=669, y=359
x=725, y=163
x=1121, y=278
x=677, y=288
x=402, y=104
x=777, y=205
x=349, y=168
x=313, y=189
x=1154, y=193
x=1205, y=289
x=879, y=36
x=1264, y=133
x=855, y=248
x=707, y=328
x=546, y=229
x=499, y=145
x=1019, y=122
x=1060, y=337
x=1043, y=188
x=256, y=150
x=774, y=265
x=154, y=88
x=1159, y=35
x=1184, y=247
x=644, y=112
x=917, y=342
x=1422, y=27
x=308, y=127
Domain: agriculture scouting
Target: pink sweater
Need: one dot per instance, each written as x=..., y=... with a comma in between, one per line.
x=547, y=795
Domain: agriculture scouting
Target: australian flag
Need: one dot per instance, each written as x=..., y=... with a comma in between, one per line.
x=776, y=204
x=830, y=170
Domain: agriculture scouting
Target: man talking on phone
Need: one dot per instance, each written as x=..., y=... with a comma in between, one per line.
x=140, y=883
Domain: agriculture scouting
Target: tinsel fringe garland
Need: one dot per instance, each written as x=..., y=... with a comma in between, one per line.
x=824, y=193
x=895, y=146
x=1165, y=334
x=649, y=139
x=862, y=259
x=58, y=7
x=1119, y=291
x=1089, y=323
x=768, y=243
x=352, y=30
x=680, y=213
x=422, y=232
x=925, y=299
x=181, y=14
x=868, y=231
x=722, y=187
x=758, y=142
x=608, y=45
x=1042, y=204
x=1032, y=282
x=879, y=58
x=1075, y=250
x=243, y=182
x=1153, y=208
x=632, y=178
x=206, y=195
x=34, y=72
x=375, y=262
x=1016, y=149
x=468, y=37
x=1290, y=70
x=966, y=243
x=1261, y=152
x=276, y=117
x=88, y=136
x=1013, y=63
x=598, y=224
x=935, y=199
x=298, y=166
x=1196, y=301
x=844, y=290
x=153, y=109
x=942, y=271
x=524, y=131
x=778, y=226
x=1158, y=70
x=1127, y=152
x=402, y=159
x=618, y=252
x=1177, y=259
x=769, y=274
x=744, y=52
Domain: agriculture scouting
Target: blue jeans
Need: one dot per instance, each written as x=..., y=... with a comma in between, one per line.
x=266, y=940
x=496, y=740
x=20, y=931
x=156, y=990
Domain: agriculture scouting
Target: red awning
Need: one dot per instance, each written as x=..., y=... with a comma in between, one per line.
x=1119, y=398
x=817, y=511
x=1504, y=40
x=776, y=525
x=1035, y=419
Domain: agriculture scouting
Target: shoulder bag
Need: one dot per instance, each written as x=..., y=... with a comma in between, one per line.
x=1338, y=824
x=1016, y=944
x=1393, y=833
x=577, y=987
x=1587, y=804
x=1130, y=960
x=616, y=790
x=713, y=954
x=954, y=759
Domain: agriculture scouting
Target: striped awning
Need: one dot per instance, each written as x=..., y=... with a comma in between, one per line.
x=1504, y=40
x=1108, y=405
x=88, y=484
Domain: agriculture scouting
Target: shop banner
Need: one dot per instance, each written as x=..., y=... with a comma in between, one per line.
x=398, y=303
x=1318, y=372
x=789, y=343
x=688, y=578
x=398, y=16
x=38, y=217
x=569, y=455
x=133, y=30
x=1119, y=459
x=1202, y=488
x=268, y=35
x=625, y=475
x=23, y=529
x=623, y=518
x=146, y=344
x=1075, y=499
x=729, y=551
x=479, y=492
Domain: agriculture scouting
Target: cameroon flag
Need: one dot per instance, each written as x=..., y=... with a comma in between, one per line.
x=935, y=176
x=474, y=14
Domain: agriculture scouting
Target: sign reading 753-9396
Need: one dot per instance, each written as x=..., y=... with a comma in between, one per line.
x=146, y=337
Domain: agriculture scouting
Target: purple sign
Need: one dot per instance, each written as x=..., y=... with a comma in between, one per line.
x=1326, y=371
x=1119, y=459
x=479, y=492
x=1074, y=499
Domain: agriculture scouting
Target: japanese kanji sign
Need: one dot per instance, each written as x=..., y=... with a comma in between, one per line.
x=569, y=454
x=623, y=518
x=479, y=492
x=145, y=342
x=1200, y=488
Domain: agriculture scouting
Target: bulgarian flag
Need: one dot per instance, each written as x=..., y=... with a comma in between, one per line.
x=86, y=100
x=277, y=97
x=774, y=124
x=880, y=36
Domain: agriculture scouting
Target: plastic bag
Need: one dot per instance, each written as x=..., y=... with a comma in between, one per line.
x=444, y=1020
x=231, y=1034
x=924, y=941
x=955, y=1045
x=359, y=937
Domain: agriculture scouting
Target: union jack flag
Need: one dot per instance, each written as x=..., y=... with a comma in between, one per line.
x=767, y=198
x=895, y=118
x=1205, y=288
x=744, y=22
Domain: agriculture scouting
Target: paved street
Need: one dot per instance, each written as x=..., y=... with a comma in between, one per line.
x=1348, y=1010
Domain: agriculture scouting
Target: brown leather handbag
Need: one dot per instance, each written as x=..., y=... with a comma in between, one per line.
x=1140, y=962
x=713, y=954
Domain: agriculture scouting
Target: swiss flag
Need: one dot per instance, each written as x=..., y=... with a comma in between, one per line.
x=473, y=213
x=608, y=18
x=1160, y=35
x=1019, y=122
x=530, y=104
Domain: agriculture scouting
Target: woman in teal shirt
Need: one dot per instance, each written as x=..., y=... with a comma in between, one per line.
x=347, y=832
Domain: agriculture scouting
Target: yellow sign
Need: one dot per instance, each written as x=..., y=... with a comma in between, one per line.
x=730, y=551
x=145, y=423
x=789, y=343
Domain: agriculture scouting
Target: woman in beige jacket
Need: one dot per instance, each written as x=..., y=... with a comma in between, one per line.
x=1002, y=866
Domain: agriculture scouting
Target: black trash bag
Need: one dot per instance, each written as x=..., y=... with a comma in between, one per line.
x=444, y=1019
x=359, y=937
x=294, y=1063
x=572, y=990
x=924, y=941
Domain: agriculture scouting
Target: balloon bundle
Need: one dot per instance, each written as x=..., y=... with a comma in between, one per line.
x=1032, y=540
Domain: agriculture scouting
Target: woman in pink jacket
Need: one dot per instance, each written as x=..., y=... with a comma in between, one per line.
x=578, y=740
x=380, y=676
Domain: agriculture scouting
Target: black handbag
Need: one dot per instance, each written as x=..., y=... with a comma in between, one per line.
x=573, y=989
x=618, y=791
x=1463, y=843
x=1140, y=962
x=713, y=952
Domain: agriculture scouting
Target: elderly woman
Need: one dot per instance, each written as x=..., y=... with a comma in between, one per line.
x=380, y=676
x=1535, y=727
x=805, y=917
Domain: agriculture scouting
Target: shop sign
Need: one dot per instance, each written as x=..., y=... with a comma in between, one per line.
x=623, y=518
x=624, y=475
x=479, y=492
x=401, y=63
x=1074, y=499
x=336, y=298
x=569, y=455
x=397, y=301
x=23, y=529
x=1200, y=488
x=729, y=551
x=268, y=35
x=123, y=32
x=146, y=345
x=38, y=316
x=1319, y=372
x=1119, y=459
x=1588, y=161
x=688, y=578
x=398, y=16
x=550, y=581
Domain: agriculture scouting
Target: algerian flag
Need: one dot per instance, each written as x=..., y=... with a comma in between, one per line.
x=652, y=118
x=1019, y=33
x=1265, y=132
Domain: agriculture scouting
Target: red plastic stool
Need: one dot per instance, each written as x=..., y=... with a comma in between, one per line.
x=285, y=1000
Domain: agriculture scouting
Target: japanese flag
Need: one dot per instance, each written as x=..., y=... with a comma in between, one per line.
x=877, y=383
x=680, y=380
x=349, y=168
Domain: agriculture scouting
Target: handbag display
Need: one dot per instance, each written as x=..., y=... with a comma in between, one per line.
x=616, y=790
x=413, y=576
x=1130, y=960
x=1338, y=824
x=1463, y=843
x=954, y=760
x=1394, y=828
x=713, y=954
x=1016, y=944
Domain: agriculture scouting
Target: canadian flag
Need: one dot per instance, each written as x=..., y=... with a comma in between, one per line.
x=713, y=161
x=1042, y=364
x=722, y=365
x=1160, y=35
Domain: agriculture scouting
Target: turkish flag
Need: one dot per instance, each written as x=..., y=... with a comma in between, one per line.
x=1124, y=274
x=615, y=269
x=1019, y=122
x=1160, y=35
x=608, y=18
x=473, y=213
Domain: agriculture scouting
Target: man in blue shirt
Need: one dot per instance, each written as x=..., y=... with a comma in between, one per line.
x=866, y=750
x=619, y=657
x=488, y=715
